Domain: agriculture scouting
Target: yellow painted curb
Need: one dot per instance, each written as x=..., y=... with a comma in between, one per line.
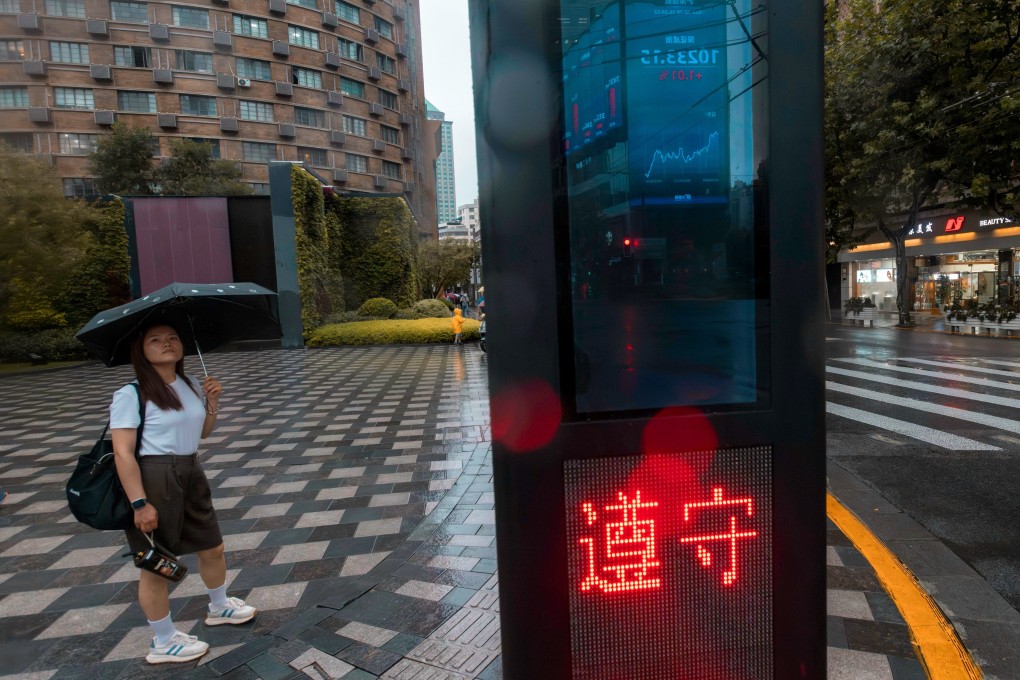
x=941, y=653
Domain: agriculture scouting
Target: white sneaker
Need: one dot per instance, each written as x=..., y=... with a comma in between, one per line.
x=235, y=611
x=180, y=649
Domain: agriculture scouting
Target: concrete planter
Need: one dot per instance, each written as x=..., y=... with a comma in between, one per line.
x=866, y=317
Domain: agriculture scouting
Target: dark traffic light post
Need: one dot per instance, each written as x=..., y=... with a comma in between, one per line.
x=651, y=192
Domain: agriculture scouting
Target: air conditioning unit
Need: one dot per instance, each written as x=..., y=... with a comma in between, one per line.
x=244, y=82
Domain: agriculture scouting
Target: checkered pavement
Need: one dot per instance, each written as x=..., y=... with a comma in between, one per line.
x=354, y=491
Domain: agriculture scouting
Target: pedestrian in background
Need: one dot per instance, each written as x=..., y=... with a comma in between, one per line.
x=458, y=326
x=168, y=489
x=464, y=304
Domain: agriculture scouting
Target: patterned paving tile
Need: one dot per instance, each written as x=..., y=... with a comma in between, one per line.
x=354, y=487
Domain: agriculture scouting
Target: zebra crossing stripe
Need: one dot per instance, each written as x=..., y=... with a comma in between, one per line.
x=964, y=367
x=953, y=377
x=912, y=430
x=923, y=387
x=958, y=413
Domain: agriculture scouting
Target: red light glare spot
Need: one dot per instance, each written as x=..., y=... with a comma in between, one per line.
x=681, y=429
x=526, y=416
x=629, y=549
x=635, y=242
x=630, y=348
x=729, y=576
x=626, y=241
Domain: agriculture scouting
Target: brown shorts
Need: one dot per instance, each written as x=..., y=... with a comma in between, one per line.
x=177, y=487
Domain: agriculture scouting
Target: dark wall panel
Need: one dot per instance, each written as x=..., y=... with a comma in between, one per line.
x=251, y=240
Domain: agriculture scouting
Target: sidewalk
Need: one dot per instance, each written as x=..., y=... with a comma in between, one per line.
x=355, y=493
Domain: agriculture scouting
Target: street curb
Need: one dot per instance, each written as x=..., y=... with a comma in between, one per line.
x=938, y=647
x=986, y=624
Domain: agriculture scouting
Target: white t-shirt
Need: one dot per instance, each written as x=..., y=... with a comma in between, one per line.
x=166, y=432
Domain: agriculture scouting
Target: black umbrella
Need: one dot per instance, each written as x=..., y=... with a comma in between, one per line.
x=206, y=315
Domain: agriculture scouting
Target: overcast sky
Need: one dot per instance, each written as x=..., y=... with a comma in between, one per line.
x=446, y=51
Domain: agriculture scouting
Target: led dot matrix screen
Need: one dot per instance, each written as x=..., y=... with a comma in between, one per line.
x=670, y=570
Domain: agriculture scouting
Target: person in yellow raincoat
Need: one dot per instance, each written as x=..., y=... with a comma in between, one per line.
x=458, y=326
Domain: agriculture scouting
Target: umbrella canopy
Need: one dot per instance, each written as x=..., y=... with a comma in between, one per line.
x=205, y=315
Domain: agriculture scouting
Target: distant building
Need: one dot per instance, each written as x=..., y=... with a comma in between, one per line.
x=468, y=216
x=339, y=90
x=454, y=231
x=446, y=186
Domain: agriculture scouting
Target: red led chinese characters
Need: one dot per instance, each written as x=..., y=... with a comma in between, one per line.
x=628, y=548
x=623, y=557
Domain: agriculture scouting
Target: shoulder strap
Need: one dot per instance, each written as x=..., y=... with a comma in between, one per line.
x=141, y=422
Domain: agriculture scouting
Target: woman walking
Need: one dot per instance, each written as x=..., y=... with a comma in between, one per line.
x=167, y=487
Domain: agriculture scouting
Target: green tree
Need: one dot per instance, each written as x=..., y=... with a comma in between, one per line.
x=192, y=171
x=443, y=265
x=122, y=161
x=101, y=281
x=40, y=240
x=911, y=106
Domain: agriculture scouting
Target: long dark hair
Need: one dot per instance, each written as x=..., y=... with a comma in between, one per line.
x=150, y=384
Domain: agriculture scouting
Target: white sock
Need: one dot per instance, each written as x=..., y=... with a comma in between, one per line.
x=217, y=596
x=164, y=630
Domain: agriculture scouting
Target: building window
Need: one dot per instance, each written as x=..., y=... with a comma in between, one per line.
x=348, y=12
x=388, y=99
x=306, y=77
x=354, y=126
x=76, y=144
x=80, y=187
x=318, y=158
x=356, y=163
x=310, y=4
x=132, y=57
x=196, y=62
x=9, y=7
x=257, y=152
x=253, y=69
x=69, y=53
x=389, y=134
x=196, y=105
x=252, y=26
x=14, y=50
x=260, y=188
x=387, y=64
x=260, y=111
x=309, y=117
x=18, y=141
x=391, y=170
x=73, y=98
x=351, y=50
x=65, y=8
x=352, y=88
x=191, y=17
x=384, y=27
x=14, y=97
x=137, y=102
x=214, y=145
x=303, y=37
x=131, y=12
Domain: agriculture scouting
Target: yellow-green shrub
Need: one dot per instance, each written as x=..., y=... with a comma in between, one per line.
x=390, y=332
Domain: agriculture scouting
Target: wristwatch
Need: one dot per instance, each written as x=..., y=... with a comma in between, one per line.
x=138, y=504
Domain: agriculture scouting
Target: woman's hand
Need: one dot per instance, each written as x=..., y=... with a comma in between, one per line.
x=213, y=389
x=147, y=519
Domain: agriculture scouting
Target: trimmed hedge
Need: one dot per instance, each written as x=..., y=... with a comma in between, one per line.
x=390, y=332
x=432, y=307
x=58, y=344
x=378, y=307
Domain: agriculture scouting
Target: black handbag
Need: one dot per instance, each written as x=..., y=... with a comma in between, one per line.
x=94, y=492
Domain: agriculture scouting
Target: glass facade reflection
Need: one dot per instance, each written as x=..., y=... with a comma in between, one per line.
x=664, y=135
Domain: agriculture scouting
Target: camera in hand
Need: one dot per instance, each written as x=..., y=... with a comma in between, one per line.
x=160, y=563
